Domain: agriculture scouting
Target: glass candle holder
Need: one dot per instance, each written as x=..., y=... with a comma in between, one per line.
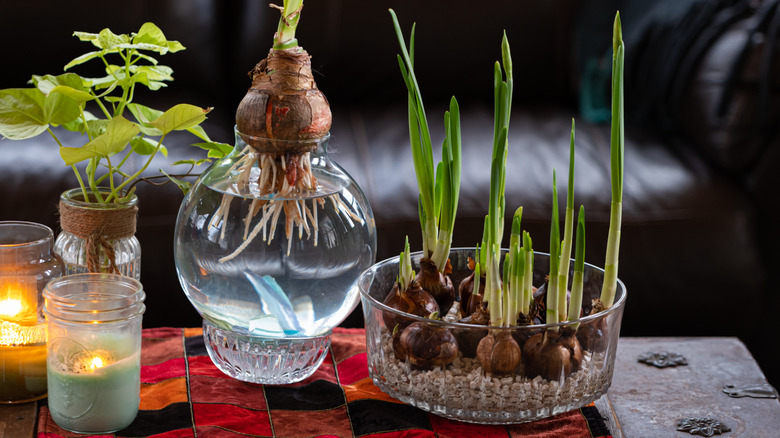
x=94, y=351
x=27, y=263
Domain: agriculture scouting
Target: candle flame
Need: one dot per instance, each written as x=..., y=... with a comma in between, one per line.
x=10, y=307
x=96, y=362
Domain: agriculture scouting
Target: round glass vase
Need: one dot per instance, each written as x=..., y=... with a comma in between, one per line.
x=272, y=270
x=27, y=263
x=462, y=390
x=98, y=237
x=94, y=351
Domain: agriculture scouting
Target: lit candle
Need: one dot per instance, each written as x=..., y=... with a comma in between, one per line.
x=94, y=351
x=22, y=352
x=94, y=392
x=26, y=266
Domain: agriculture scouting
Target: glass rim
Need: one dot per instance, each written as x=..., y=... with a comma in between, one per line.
x=70, y=195
x=619, y=302
x=244, y=135
x=48, y=234
x=69, y=308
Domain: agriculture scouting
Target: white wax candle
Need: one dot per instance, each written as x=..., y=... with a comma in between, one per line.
x=100, y=397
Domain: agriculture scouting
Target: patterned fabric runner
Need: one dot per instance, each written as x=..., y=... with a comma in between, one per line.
x=184, y=395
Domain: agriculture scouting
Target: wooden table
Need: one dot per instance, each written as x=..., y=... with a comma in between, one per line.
x=643, y=401
x=647, y=402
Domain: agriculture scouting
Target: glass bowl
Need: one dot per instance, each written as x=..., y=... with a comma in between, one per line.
x=462, y=390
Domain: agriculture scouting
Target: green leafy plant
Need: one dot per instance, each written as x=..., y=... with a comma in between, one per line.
x=110, y=138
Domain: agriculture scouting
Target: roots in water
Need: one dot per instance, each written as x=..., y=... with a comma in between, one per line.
x=281, y=176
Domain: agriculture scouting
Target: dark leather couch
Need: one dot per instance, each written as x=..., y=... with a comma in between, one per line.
x=699, y=232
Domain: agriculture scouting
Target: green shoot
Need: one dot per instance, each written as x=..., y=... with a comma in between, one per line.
x=439, y=192
x=506, y=296
x=528, y=277
x=494, y=222
x=513, y=272
x=577, y=281
x=483, y=246
x=477, y=278
x=493, y=287
x=516, y=233
x=563, y=273
x=284, y=38
x=609, y=287
x=553, y=310
x=406, y=273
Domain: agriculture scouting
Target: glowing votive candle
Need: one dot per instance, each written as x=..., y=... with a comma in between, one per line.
x=94, y=393
x=94, y=351
x=26, y=265
x=22, y=354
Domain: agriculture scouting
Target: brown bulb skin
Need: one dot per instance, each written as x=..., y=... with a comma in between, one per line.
x=437, y=284
x=551, y=355
x=468, y=339
x=283, y=103
x=427, y=346
x=499, y=354
x=469, y=299
x=414, y=300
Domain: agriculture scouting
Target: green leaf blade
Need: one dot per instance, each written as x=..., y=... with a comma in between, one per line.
x=181, y=117
x=59, y=109
x=81, y=59
x=21, y=113
x=149, y=33
x=215, y=149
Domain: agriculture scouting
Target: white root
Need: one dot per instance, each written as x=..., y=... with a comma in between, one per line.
x=259, y=226
x=278, y=207
x=296, y=212
x=315, y=222
x=252, y=213
x=349, y=212
x=224, y=209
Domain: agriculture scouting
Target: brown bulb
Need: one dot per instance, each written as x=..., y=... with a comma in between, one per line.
x=427, y=345
x=283, y=103
x=414, y=301
x=437, y=284
x=499, y=354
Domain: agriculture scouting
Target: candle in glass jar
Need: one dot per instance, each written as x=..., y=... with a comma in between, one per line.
x=94, y=392
x=22, y=353
x=94, y=351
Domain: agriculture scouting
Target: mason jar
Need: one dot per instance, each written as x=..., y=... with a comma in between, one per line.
x=27, y=263
x=98, y=237
x=94, y=351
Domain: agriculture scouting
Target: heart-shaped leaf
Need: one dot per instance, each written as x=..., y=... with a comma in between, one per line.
x=21, y=113
x=180, y=117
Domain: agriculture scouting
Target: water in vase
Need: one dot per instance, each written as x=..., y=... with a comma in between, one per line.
x=264, y=270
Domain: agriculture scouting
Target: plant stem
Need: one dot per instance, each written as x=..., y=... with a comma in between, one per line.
x=86, y=128
x=563, y=274
x=125, y=88
x=555, y=242
x=288, y=23
x=115, y=193
x=75, y=169
x=577, y=281
x=609, y=288
x=528, y=276
x=405, y=274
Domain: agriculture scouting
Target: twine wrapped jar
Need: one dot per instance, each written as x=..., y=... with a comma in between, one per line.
x=98, y=237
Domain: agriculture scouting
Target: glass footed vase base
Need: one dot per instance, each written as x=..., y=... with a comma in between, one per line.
x=266, y=360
